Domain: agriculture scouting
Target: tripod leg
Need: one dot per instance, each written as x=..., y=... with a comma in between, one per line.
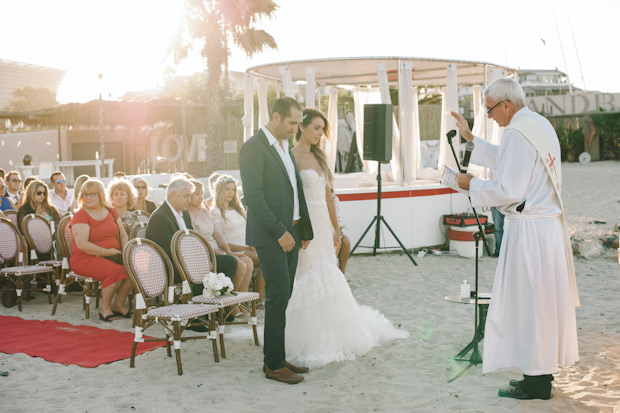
x=363, y=235
x=395, y=237
x=461, y=373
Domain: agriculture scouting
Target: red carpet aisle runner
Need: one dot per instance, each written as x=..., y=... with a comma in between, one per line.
x=65, y=343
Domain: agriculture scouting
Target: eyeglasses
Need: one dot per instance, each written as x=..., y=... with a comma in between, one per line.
x=496, y=105
x=15, y=180
x=139, y=187
x=41, y=193
x=86, y=196
x=61, y=181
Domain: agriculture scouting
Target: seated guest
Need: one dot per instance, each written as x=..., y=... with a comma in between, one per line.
x=2, y=172
x=142, y=189
x=76, y=190
x=5, y=202
x=203, y=223
x=122, y=195
x=229, y=217
x=212, y=179
x=60, y=196
x=13, y=182
x=36, y=201
x=170, y=217
x=120, y=175
x=97, y=230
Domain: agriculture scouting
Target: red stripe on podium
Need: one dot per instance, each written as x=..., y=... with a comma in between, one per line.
x=396, y=194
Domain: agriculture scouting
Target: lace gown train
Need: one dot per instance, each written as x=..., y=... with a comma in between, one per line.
x=324, y=323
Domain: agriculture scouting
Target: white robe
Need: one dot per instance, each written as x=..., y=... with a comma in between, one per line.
x=531, y=324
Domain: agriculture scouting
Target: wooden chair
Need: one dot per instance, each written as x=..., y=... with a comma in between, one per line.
x=151, y=273
x=195, y=258
x=143, y=216
x=138, y=230
x=14, y=271
x=11, y=214
x=39, y=236
x=89, y=286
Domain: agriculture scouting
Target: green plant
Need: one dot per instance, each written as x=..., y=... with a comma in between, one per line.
x=571, y=143
x=608, y=125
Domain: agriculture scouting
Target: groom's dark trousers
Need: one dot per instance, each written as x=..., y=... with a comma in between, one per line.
x=269, y=196
x=279, y=272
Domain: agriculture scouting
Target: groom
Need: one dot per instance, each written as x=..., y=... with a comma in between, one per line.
x=277, y=223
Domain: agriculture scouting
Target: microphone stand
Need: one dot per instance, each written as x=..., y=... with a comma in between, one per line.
x=476, y=357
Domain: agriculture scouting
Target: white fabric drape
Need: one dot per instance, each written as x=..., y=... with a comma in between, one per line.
x=331, y=145
x=248, y=107
x=396, y=162
x=406, y=114
x=416, y=156
x=287, y=82
x=263, y=110
x=361, y=97
x=449, y=103
x=310, y=87
x=476, y=100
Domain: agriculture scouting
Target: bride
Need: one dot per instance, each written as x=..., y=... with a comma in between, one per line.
x=324, y=323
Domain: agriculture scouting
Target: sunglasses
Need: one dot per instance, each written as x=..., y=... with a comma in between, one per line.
x=61, y=181
x=139, y=187
x=41, y=193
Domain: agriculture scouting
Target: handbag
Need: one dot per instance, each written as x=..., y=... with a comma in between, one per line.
x=116, y=258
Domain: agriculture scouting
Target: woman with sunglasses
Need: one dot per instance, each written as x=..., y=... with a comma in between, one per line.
x=142, y=187
x=37, y=202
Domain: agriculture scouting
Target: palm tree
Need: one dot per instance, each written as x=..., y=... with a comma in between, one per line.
x=214, y=24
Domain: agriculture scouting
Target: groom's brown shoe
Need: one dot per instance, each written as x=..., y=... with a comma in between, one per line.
x=291, y=367
x=296, y=369
x=283, y=375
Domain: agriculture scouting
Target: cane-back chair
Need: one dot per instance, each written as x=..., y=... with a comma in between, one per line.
x=194, y=259
x=143, y=216
x=138, y=230
x=151, y=273
x=15, y=272
x=11, y=214
x=89, y=286
x=39, y=233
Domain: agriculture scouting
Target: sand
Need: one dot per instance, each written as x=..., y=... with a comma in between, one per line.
x=405, y=375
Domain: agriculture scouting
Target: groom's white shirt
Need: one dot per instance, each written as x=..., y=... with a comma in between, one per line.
x=288, y=164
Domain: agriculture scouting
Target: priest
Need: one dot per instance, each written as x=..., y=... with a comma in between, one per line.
x=531, y=323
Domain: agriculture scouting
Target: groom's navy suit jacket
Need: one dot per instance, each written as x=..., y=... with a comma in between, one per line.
x=268, y=193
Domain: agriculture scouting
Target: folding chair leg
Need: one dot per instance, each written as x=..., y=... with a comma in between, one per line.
x=213, y=327
x=56, y=301
x=255, y=330
x=177, y=346
x=87, y=300
x=49, y=282
x=168, y=351
x=221, y=325
x=20, y=291
x=132, y=359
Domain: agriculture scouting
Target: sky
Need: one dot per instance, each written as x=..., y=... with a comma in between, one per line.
x=128, y=41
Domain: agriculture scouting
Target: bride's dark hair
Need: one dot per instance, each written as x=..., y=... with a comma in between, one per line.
x=320, y=155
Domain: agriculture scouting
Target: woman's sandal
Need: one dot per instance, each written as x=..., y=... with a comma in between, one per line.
x=109, y=318
x=128, y=314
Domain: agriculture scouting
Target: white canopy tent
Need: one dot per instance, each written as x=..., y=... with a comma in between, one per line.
x=371, y=78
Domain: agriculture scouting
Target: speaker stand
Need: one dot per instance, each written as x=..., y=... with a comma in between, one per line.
x=377, y=221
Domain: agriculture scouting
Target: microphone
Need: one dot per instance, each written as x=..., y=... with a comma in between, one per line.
x=451, y=135
x=469, y=147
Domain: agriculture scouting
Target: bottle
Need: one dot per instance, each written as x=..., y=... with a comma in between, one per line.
x=465, y=292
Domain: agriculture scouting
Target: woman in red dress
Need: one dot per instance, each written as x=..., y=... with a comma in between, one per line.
x=97, y=233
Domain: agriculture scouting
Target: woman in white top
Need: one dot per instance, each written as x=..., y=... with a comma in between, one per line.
x=229, y=215
x=204, y=225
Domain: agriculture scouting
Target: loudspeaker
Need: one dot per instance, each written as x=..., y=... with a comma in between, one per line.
x=378, y=132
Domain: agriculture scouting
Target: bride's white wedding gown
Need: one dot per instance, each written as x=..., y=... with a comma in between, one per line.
x=324, y=323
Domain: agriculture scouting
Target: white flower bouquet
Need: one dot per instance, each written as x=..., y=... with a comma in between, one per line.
x=216, y=285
